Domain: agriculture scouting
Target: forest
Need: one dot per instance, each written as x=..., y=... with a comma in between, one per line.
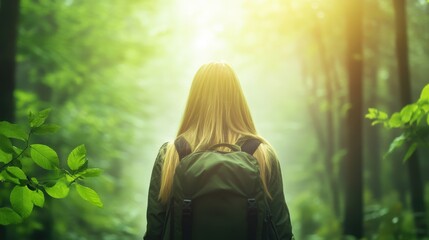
x=90, y=90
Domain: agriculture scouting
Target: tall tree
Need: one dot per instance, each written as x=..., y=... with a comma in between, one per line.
x=413, y=165
x=372, y=142
x=353, y=221
x=8, y=34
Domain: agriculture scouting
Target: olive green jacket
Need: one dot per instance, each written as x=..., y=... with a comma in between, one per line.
x=156, y=211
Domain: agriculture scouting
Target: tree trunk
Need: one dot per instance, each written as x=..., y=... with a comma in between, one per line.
x=9, y=11
x=413, y=165
x=373, y=146
x=8, y=34
x=372, y=86
x=353, y=221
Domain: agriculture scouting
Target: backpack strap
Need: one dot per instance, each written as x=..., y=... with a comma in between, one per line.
x=182, y=147
x=252, y=219
x=187, y=219
x=250, y=145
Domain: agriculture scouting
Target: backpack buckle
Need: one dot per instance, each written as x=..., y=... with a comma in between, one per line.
x=251, y=203
x=186, y=207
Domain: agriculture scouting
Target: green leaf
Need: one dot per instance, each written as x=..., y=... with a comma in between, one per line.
x=425, y=106
x=427, y=119
x=376, y=122
x=11, y=130
x=89, y=195
x=17, y=150
x=4, y=175
x=6, y=150
x=396, y=143
x=69, y=178
x=83, y=167
x=5, y=143
x=21, y=200
x=395, y=120
x=38, y=198
x=383, y=115
x=5, y=157
x=59, y=190
x=425, y=93
x=44, y=156
x=46, y=129
x=39, y=118
x=33, y=179
x=410, y=151
x=91, y=172
x=417, y=116
x=407, y=112
x=13, y=174
x=372, y=113
x=16, y=172
x=77, y=157
x=8, y=216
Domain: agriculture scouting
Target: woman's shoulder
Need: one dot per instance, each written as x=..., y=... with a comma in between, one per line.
x=162, y=152
x=163, y=147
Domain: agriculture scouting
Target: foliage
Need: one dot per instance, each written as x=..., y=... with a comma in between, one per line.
x=29, y=189
x=413, y=120
x=316, y=219
x=86, y=59
x=118, y=72
x=388, y=222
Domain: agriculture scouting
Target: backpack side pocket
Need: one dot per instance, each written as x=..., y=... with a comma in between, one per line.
x=269, y=230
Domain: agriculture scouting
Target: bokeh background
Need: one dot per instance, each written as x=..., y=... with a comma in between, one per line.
x=117, y=74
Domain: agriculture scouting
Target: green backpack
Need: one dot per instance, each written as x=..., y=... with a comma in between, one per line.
x=218, y=195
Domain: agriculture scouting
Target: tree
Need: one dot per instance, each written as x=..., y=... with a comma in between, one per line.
x=353, y=221
x=413, y=165
x=372, y=141
x=9, y=11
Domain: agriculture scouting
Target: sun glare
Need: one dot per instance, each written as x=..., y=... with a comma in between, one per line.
x=205, y=23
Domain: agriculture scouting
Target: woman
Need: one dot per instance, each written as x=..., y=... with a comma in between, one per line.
x=216, y=112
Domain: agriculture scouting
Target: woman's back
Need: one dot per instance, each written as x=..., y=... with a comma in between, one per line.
x=216, y=113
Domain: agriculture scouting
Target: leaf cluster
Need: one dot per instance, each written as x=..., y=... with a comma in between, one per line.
x=28, y=189
x=413, y=120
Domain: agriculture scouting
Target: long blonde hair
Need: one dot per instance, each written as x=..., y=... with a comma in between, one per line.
x=216, y=112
